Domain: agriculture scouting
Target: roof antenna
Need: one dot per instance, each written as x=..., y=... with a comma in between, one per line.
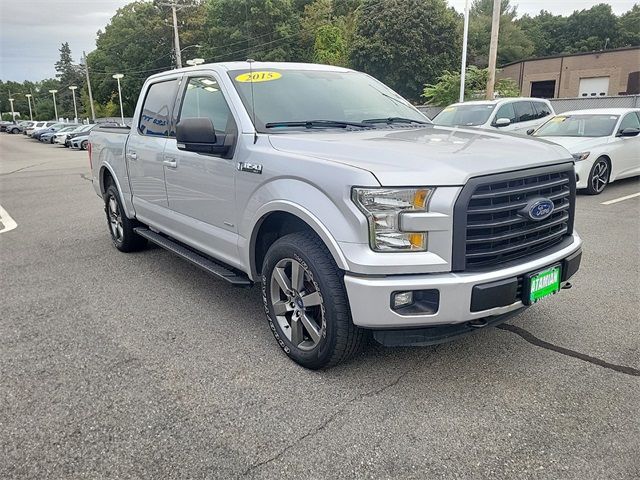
x=253, y=105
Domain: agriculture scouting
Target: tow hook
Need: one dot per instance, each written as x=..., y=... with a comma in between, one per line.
x=481, y=323
x=567, y=286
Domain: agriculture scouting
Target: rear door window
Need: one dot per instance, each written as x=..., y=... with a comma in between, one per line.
x=155, y=118
x=524, y=111
x=542, y=109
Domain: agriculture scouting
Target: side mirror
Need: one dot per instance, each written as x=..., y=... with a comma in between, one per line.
x=502, y=122
x=628, y=132
x=530, y=131
x=198, y=135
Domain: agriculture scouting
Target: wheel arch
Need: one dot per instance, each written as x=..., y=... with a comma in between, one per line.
x=283, y=218
x=106, y=173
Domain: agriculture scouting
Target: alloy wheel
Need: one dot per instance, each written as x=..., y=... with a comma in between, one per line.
x=115, y=219
x=600, y=176
x=297, y=304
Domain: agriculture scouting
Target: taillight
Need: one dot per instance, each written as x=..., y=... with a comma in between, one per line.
x=89, y=150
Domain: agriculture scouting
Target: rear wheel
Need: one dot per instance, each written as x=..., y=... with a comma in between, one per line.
x=121, y=227
x=598, y=176
x=306, y=302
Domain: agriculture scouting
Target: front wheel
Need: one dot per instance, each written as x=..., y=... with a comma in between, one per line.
x=83, y=145
x=306, y=302
x=598, y=177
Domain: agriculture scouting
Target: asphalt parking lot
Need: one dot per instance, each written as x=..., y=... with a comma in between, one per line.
x=142, y=366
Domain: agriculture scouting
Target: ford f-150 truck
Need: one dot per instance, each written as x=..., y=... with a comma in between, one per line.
x=351, y=210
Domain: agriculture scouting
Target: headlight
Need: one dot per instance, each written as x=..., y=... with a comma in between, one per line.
x=382, y=207
x=580, y=156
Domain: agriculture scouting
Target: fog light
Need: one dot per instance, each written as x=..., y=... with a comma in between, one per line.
x=402, y=299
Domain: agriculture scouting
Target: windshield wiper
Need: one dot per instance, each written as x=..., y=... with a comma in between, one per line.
x=318, y=123
x=390, y=120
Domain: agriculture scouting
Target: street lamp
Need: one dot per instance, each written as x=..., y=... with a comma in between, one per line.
x=28, y=95
x=195, y=61
x=55, y=107
x=75, y=107
x=118, y=76
x=13, y=115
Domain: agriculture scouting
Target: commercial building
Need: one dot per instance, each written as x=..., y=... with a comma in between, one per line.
x=590, y=74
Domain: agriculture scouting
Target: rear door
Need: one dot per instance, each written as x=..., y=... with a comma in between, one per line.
x=201, y=186
x=144, y=151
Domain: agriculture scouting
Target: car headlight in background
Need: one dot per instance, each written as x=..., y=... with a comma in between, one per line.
x=580, y=156
x=383, y=207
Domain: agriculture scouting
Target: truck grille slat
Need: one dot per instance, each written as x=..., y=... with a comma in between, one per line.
x=491, y=231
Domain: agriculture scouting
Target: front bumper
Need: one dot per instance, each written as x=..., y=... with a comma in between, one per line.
x=370, y=297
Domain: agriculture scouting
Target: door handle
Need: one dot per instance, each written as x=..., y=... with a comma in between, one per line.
x=132, y=156
x=170, y=162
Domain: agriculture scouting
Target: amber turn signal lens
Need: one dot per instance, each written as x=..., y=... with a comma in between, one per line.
x=420, y=199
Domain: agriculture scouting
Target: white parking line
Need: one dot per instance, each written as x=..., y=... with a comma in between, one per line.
x=621, y=199
x=8, y=222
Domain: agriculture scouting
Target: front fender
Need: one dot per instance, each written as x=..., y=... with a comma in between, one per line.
x=333, y=221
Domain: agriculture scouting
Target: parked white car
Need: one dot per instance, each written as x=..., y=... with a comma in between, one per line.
x=515, y=115
x=604, y=142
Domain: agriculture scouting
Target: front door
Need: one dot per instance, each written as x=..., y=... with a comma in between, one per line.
x=626, y=152
x=200, y=186
x=145, y=149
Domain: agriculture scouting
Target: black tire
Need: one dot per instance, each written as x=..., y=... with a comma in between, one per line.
x=596, y=183
x=339, y=338
x=14, y=131
x=83, y=145
x=122, y=236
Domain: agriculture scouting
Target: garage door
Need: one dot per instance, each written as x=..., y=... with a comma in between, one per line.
x=594, y=86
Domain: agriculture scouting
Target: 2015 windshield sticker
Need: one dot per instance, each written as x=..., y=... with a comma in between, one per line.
x=255, y=77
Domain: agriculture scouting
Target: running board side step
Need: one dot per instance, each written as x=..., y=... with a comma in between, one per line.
x=214, y=268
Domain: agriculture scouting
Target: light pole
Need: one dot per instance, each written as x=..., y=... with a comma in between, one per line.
x=195, y=61
x=55, y=107
x=118, y=76
x=75, y=107
x=28, y=95
x=13, y=115
x=465, y=36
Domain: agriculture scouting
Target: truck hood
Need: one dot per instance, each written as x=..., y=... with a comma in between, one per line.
x=428, y=155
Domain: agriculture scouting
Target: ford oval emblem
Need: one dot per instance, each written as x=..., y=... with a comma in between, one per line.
x=538, y=209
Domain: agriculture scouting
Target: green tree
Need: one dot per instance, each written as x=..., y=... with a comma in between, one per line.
x=629, y=27
x=406, y=43
x=68, y=74
x=265, y=30
x=513, y=43
x=546, y=31
x=137, y=42
x=447, y=89
x=591, y=29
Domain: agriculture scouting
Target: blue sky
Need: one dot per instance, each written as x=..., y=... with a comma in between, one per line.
x=31, y=31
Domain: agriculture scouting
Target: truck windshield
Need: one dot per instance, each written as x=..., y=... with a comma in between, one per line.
x=467, y=115
x=290, y=99
x=597, y=125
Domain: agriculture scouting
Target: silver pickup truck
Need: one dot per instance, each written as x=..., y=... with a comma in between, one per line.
x=352, y=210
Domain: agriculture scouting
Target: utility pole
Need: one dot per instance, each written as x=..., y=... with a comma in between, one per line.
x=86, y=70
x=493, y=48
x=465, y=36
x=176, y=37
x=13, y=115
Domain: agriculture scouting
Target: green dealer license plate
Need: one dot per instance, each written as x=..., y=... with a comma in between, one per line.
x=541, y=284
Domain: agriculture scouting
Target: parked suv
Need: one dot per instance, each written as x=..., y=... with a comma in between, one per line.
x=350, y=209
x=506, y=114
